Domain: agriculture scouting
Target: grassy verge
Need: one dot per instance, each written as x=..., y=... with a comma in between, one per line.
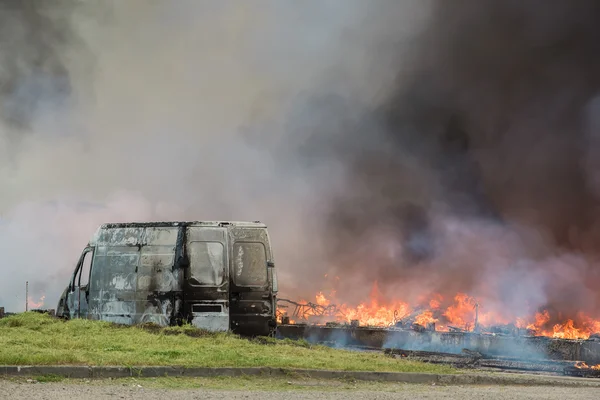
x=37, y=339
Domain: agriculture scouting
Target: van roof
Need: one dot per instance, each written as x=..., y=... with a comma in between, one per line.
x=106, y=227
x=253, y=224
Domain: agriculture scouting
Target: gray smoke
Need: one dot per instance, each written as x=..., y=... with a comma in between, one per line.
x=431, y=146
x=136, y=110
x=34, y=38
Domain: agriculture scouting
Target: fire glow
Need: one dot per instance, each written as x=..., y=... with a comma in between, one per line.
x=460, y=313
x=36, y=304
x=582, y=365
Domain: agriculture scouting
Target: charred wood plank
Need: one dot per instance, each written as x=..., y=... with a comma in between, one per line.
x=524, y=365
x=475, y=359
x=581, y=372
x=457, y=360
x=408, y=319
x=474, y=354
x=456, y=329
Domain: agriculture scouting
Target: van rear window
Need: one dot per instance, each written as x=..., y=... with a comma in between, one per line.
x=250, y=260
x=207, y=264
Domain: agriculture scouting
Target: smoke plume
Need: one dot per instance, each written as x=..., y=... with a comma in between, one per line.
x=195, y=110
x=479, y=172
x=430, y=146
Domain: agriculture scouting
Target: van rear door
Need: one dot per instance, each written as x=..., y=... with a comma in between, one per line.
x=207, y=278
x=251, y=295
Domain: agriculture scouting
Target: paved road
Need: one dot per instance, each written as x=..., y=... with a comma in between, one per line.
x=56, y=391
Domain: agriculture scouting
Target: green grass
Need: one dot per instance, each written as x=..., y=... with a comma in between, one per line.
x=38, y=339
x=49, y=378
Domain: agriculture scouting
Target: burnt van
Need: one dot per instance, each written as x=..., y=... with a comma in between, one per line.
x=217, y=276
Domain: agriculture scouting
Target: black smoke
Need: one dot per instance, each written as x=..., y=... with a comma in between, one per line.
x=491, y=125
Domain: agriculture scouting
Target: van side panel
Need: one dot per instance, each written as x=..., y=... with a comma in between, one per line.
x=134, y=279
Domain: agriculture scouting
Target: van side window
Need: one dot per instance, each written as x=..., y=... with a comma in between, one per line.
x=250, y=261
x=84, y=272
x=207, y=263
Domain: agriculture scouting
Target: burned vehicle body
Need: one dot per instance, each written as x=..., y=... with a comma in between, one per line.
x=217, y=276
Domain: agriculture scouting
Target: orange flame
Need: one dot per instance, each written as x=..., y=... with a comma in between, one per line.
x=322, y=300
x=436, y=302
x=566, y=330
x=425, y=318
x=583, y=365
x=463, y=312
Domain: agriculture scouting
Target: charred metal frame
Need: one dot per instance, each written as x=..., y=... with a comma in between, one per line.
x=305, y=310
x=244, y=310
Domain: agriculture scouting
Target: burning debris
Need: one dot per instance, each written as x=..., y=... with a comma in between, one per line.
x=583, y=365
x=460, y=333
x=463, y=314
x=471, y=192
x=35, y=304
x=303, y=311
x=581, y=369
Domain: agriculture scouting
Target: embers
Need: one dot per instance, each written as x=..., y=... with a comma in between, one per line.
x=581, y=369
x=583, y=365
x=428, y=327
x=416, y=322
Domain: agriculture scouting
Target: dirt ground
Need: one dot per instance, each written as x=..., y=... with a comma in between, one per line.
x=113, y=390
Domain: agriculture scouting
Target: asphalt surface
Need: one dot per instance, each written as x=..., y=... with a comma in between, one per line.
x=110, y=390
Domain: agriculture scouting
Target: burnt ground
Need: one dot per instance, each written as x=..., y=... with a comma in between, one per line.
x=318, y=390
